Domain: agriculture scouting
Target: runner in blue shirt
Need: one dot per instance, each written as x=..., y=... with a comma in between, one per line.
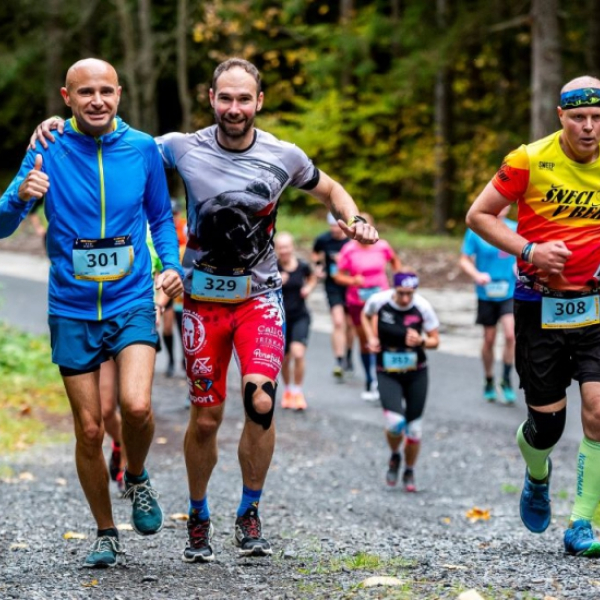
x=494, y=273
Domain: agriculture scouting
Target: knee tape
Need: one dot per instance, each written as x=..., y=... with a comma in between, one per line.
x=543, y=430
x=394, y=422
x=262, y=419
x=414, y=431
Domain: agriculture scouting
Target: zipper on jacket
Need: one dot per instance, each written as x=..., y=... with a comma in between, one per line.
x=102, y=217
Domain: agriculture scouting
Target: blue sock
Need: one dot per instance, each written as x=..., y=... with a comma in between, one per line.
x=366, y=359
x=249, y=498
x=200, y=507
x=135, y=479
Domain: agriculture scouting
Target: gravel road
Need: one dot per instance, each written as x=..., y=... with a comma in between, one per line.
x=326, y=510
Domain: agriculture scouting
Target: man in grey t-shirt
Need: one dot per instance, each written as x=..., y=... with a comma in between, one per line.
x=234, y=175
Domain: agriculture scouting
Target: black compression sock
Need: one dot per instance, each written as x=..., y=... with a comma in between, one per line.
x=111, y=532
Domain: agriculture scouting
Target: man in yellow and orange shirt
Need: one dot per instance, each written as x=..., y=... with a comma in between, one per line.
x=555, y=183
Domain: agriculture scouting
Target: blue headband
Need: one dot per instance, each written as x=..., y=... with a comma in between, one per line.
x=406, y=280
x=580, y=98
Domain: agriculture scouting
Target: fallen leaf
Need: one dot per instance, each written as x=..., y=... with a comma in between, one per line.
x=381, y=581
x=25, y=410
x=124, y=527
x=161, y=440
x=470, y=595
x=455, y=567
x=447, y=520
x=179, y=517
x=60, y=481
x=478, y=514
x=92, y=583
x=19, y=546
x=74, y=535
x=26, y=476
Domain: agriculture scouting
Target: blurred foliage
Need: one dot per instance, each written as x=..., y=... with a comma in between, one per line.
x=357, y=95
x=31, y=391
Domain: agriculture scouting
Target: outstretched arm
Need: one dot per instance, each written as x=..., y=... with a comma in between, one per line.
x=341, y=205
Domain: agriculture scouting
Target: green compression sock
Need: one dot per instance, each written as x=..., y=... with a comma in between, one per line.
x=588, y=480
x=536, y=460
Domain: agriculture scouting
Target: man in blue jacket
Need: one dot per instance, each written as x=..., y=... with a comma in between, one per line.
x=102, y=182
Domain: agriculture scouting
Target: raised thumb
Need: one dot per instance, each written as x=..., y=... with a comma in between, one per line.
x=38, y=162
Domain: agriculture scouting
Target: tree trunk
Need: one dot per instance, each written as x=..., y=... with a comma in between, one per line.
x=395, y=18
x=442, y=203
x=182, y=63
x=131, y=92
x=346, y=7
x=546, y=67
x=147, y=72
x=54, y=69
x=593, y=41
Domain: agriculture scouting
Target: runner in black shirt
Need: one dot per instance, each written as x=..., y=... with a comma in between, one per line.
x=325, y=250
x=399, y=325
x=298, y=282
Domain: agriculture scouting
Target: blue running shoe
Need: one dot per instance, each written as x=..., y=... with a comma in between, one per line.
x=146, y=514
x=580, y=540
x=509, y=394
x=535, y=503
x=103, y=553
x=489, y=392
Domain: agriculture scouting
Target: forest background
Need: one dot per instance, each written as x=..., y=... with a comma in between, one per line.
x=410, y=103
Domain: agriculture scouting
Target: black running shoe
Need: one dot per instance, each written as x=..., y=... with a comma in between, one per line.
x=114, y=465
x=198, y=548
x=391, y=477
x=248, y=535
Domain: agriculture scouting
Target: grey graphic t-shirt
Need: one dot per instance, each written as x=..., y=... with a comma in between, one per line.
x=232, y=200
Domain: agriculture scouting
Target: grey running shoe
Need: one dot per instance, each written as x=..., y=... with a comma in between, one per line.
x=198, y=548
x=248, y=535
x=408, y=480
x=103, y=553
x=146, y=514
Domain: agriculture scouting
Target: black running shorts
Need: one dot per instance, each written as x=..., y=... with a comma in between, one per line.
x=296, y=330
x=548, y=359
x=490, y=312
x=409, y=388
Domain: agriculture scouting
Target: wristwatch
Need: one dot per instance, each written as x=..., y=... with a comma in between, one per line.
x=356, y=219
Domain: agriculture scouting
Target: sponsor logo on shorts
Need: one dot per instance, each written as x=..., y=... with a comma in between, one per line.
x=267, y=358
x=264, y=340
x=270, y=331
x=194, y=334
x=201, y=366
x=203, y=384
x=202, y=399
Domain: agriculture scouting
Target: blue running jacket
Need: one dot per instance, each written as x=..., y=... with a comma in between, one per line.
x=100, y=188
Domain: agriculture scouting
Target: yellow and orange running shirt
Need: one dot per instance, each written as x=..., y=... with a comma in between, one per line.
x=558, y=199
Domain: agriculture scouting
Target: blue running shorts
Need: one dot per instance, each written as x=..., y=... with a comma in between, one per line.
x=82, y=346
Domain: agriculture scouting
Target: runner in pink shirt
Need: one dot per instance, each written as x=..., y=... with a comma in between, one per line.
x=363, y=270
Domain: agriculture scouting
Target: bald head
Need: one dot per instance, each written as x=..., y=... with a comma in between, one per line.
x=92, y=92
x=90, y=67
x=581, y=82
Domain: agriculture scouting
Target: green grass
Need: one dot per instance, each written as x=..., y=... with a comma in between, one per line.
x=509, y=488
x=305, y=228
x=30, y=390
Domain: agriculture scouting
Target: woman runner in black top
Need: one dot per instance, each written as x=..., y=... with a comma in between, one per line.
x=399, y=325
x=298, y=282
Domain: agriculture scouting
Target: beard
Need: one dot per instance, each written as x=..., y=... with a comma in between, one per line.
x=233, y=130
